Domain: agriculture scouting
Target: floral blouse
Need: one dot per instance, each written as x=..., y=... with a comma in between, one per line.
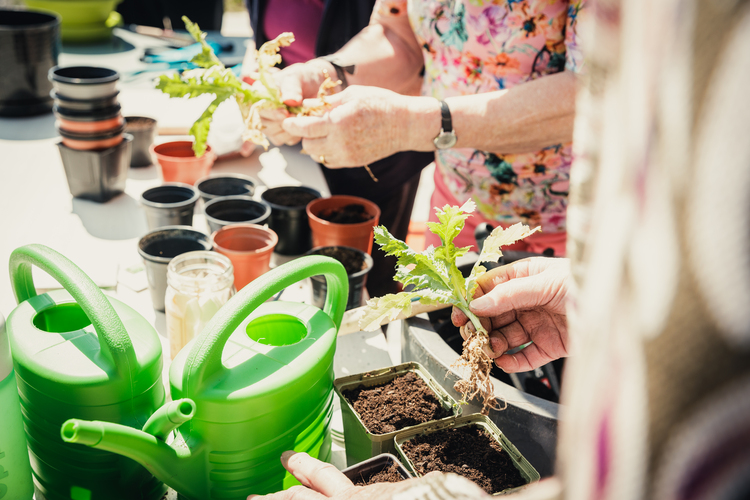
x=477, y=46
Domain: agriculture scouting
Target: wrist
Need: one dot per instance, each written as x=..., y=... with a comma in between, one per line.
x=422, y=124
x=324, y=67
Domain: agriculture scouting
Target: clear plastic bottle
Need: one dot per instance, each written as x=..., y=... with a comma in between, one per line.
x=198, y=284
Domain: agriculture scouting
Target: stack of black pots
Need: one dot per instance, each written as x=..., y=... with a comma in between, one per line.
x=94, y=148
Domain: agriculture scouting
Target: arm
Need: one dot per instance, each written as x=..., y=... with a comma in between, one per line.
x=526, y=118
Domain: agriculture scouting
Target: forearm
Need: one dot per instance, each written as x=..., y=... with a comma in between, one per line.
x=524, y=119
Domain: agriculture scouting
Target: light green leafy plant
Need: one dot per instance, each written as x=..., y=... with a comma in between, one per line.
x=436, y=279
x=212, y=77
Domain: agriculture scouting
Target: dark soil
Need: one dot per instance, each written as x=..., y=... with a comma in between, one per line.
x=353, y=213
x=404, y=401
x=289, y=198
x=468, y=451
x=140, y=123
x=387, y=475
x=353, y=261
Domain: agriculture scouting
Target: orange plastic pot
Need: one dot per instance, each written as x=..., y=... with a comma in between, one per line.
x=97, y=126
x=179, y=163
x=357, y=235
x=249, y=247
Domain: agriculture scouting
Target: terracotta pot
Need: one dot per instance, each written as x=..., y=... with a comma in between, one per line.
x=356, y=235
x=249, y=247
x=179, y=163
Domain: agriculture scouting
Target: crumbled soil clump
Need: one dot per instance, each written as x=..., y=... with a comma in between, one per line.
x=468, y=451
x=404, y=401
x=353, y=261
x=387, y=475
x=353, y=213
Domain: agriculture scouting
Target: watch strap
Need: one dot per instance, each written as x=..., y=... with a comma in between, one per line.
x=445, y=115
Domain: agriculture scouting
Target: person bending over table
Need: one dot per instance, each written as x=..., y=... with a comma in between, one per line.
x=498, y=84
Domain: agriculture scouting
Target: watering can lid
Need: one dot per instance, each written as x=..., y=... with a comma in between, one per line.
x=70, y=366
x=6, y=362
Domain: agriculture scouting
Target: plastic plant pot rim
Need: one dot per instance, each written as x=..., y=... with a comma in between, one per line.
x=90, y=145
x=88, y=127
x=259, y=230
x=224, y=199
x=149, y=119
x=366, y=256
x=57, y=74
x=51, y=19
x=88, y=115
x=182, y=145
x=172, y=186
x=387, y=459
x=64, y=99
x=346, y=198
x=217, y=177
x=527, y=471
x=276, y=206
x=375, y=376
x=199, y=236
x=126, y=138
x=88, y=136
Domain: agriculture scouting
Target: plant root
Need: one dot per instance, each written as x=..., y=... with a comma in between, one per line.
x=480, y=365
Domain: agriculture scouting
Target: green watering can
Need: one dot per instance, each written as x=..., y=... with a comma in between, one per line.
x=256, y=382
x=80, y=354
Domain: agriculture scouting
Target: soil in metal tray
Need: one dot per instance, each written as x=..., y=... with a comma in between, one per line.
x=404, y=401
x=389, y=474
x=468, y=451
x=354, y=213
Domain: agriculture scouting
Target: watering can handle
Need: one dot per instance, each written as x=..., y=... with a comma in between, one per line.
x=114, y=341
x=204, y=358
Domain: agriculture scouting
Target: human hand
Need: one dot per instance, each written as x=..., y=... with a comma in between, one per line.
x=296, y=83
x=523, y=301
x=321, y=480
x=363, y=125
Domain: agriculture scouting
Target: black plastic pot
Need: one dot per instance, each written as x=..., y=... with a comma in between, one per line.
x=67, y=104
x=234, y=210
x=357, y=278
x=289, y=218
x=216, y=186
x=29, y=47
x=97, y=175
x=363, y=471
x=91, y=114
x=143, y=130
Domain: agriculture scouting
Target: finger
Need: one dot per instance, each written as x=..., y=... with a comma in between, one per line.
x=293, y=493
x=291, y=91
x=320, y=476
x=458, y=318
x=525, y=360
x=519, y=293
x=274, y=114
x=308, y=126
x=332, y=100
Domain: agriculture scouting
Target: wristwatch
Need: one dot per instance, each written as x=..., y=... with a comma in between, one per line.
x=447, y=137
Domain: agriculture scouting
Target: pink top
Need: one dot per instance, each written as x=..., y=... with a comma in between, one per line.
x=301, y=17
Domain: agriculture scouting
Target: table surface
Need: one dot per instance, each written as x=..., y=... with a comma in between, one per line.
x=101, y=238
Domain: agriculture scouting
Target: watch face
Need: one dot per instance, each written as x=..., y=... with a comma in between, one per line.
x=445, y=140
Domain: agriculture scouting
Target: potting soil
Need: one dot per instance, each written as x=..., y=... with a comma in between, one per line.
x=404, y=401
x=388, y=475
x=354, y=213
x=467, y=451
x=353, y=261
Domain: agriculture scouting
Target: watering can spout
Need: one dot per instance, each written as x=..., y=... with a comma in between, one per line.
x=169, y=464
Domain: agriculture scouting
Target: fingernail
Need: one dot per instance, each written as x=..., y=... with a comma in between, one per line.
x=286, y=456
x=488, y=351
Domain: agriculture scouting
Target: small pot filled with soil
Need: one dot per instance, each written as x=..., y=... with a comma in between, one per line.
x=343, y=221
x=289, y=219
x=471, y=446
x=385, y=468
x=357, y=264
x=376, y=405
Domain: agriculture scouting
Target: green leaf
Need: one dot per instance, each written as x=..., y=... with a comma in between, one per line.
x=388, y=306
x=206, y=58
